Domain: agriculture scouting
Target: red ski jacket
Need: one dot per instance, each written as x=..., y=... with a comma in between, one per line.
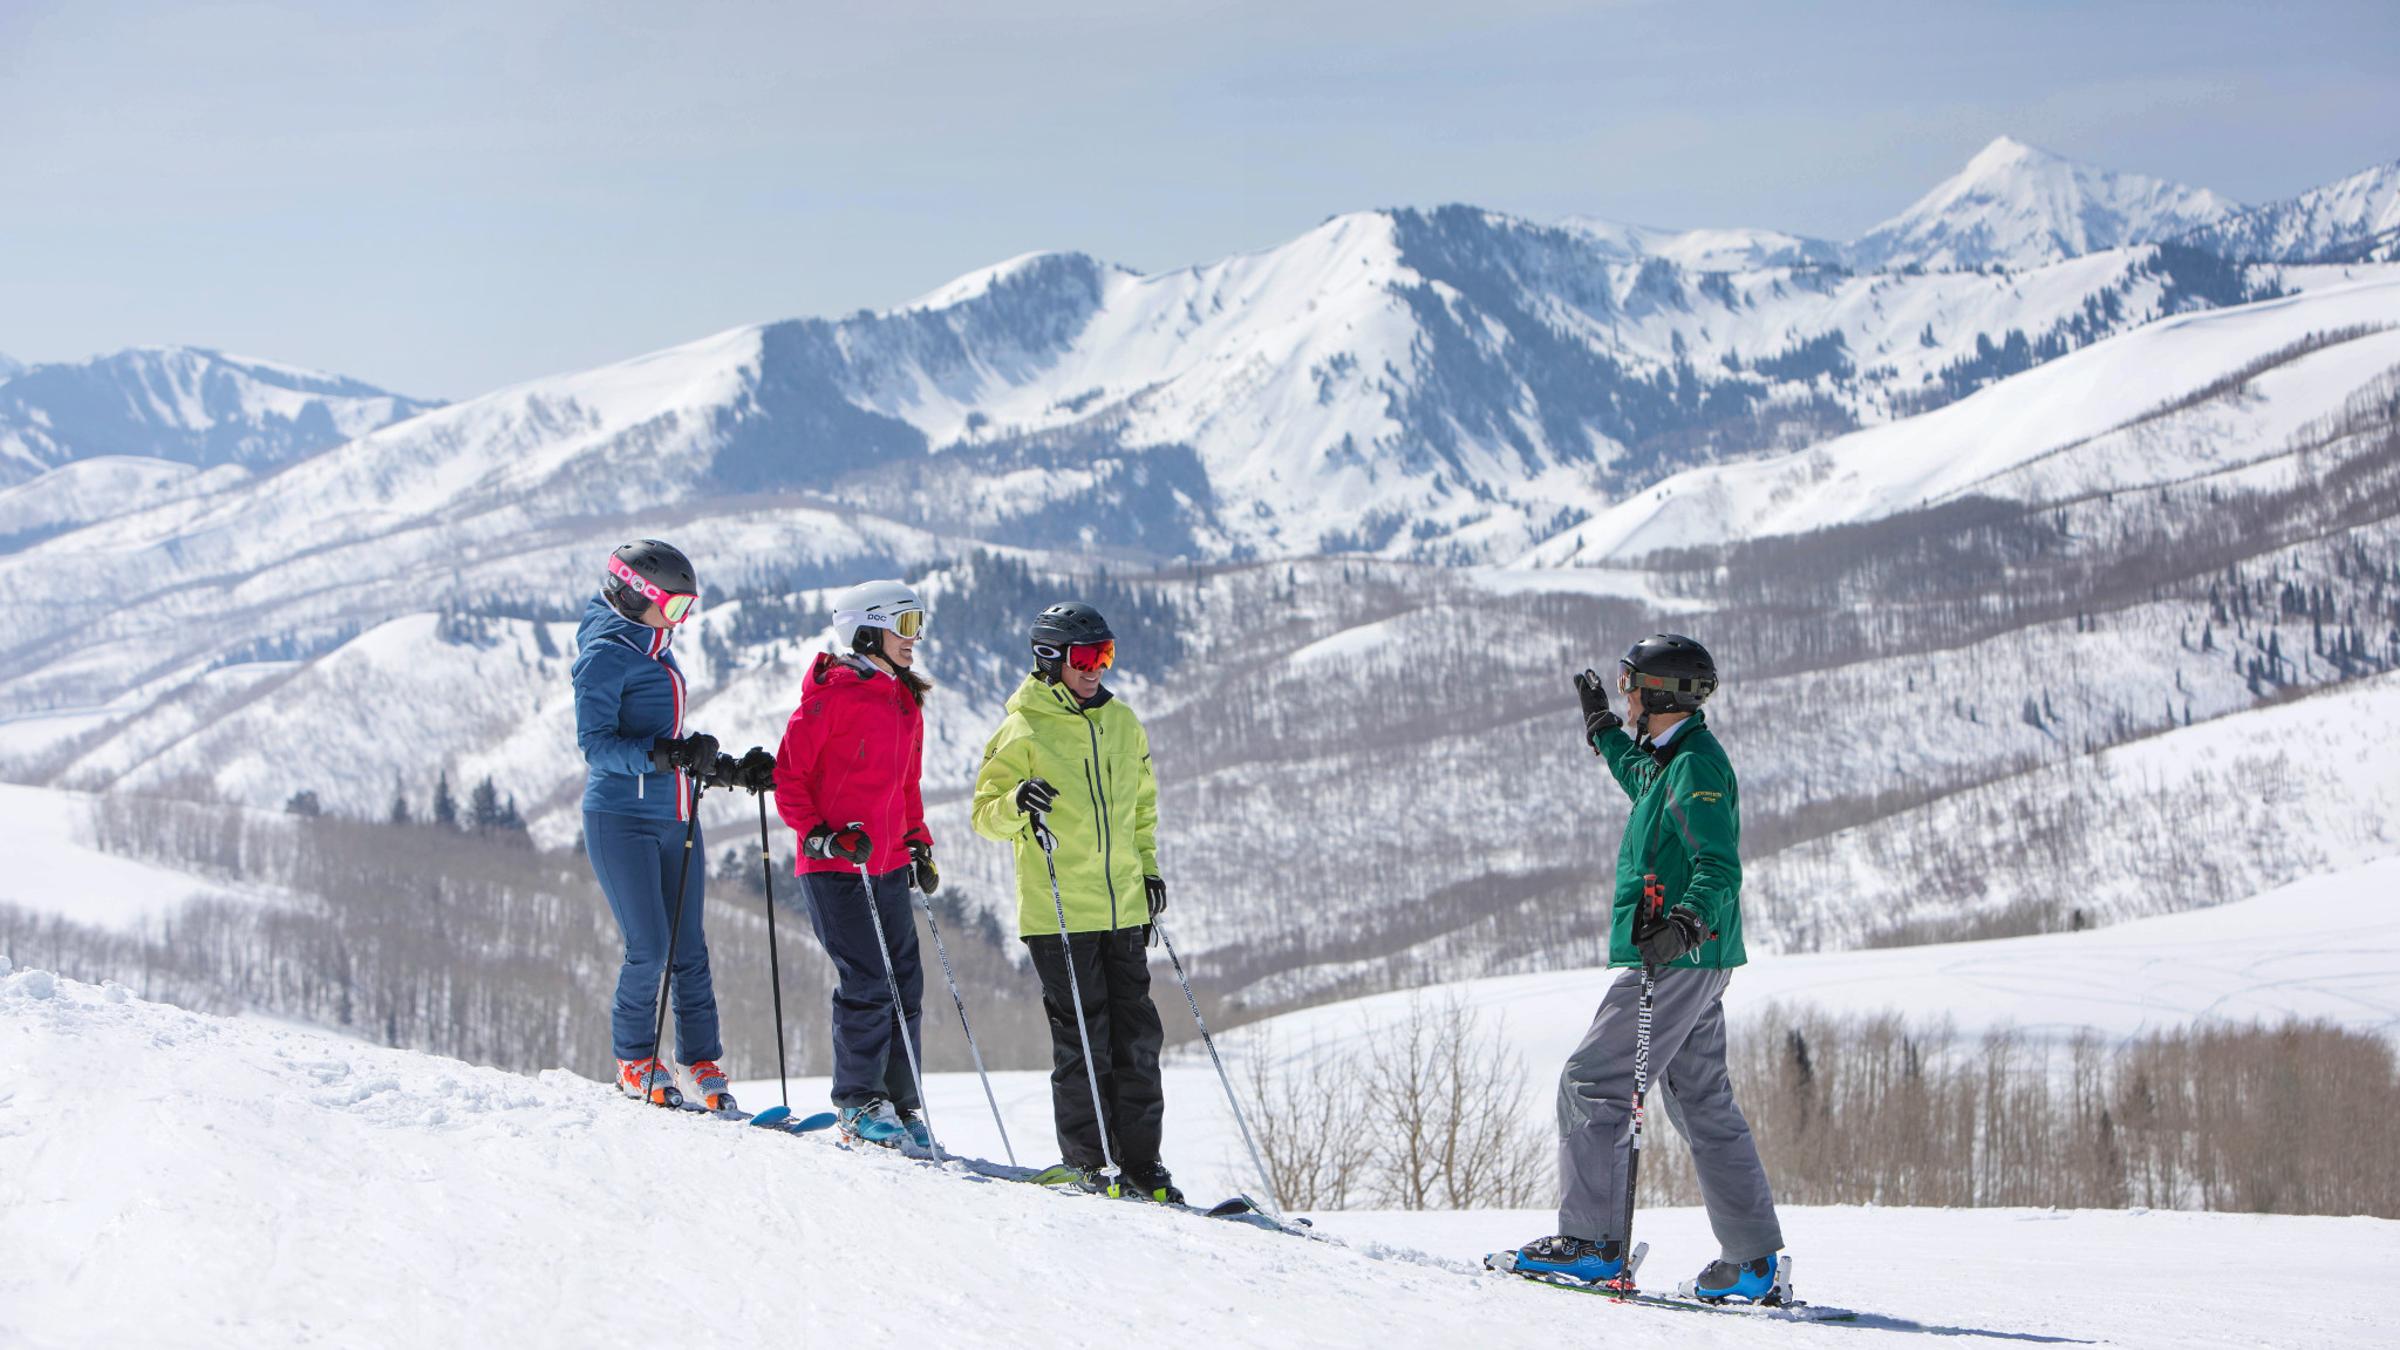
x=853, y=752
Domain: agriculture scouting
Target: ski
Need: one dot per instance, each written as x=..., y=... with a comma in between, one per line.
x=1786, y=1309
x=1063, y=1180
x=776, y=1118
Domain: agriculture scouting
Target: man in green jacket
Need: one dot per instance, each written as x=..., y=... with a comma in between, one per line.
x=1069, y=768
x=1678, y=915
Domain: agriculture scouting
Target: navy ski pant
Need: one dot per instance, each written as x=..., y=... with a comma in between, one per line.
x=1113, y=972
x=639, y=862
x=1687, y=1067
x=868, y=1061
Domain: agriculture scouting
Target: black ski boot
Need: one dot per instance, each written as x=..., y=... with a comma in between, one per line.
x=1151, y=1181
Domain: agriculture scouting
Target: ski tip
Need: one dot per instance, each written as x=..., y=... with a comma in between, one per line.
x=773, y=1118
x=822, y=1120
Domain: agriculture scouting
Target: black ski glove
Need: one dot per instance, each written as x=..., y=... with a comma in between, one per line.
x=690, y=753
x=1675, y=936
x=1156, y=889
x=755, y=770
x=849, y=843
x=929, y=877
x=1597, y=715
x=1035, y=797
x=724, y=771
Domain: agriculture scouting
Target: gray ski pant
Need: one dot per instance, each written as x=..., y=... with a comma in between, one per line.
x=1687, y=1073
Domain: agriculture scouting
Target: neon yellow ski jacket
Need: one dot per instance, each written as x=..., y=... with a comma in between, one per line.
x=1106, y=818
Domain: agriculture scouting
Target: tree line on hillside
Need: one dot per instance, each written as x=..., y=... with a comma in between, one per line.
x=1434, y=1112
x=484, y=949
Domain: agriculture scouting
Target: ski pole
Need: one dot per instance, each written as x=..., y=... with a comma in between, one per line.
x=925, y=903
x=683, y=886
x=891, y=978
x=1633, y=1161
x=1066, y=945
x=1265, y=1178
x=766, y=872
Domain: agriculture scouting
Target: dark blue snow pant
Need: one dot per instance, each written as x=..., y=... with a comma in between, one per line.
x=867, y=1059
x=638, y=861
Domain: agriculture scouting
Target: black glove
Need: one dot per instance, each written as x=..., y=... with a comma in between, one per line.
x=929, y=877
x=755, y=770
x=849, y=843
x=1598, y=717
x=724, y=771
x=1675, y=935
x=1156, y=889
x=1035, y=797
x=690, y=753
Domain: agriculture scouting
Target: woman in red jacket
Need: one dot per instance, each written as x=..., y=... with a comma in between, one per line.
x=846, y=779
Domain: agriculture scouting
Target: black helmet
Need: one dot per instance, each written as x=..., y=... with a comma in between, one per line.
x=1674, y=673
x=1069, y=623
x=638, y=569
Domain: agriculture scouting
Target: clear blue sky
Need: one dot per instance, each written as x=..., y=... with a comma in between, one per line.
x=443, y=199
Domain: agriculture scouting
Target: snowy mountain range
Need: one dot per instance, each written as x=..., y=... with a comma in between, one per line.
x=1325, y=473
x=183, y=405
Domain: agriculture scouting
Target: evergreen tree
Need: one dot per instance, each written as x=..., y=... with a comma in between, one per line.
x=445, y=806
x=304, y=804
x=400, y=814
x=483, y=806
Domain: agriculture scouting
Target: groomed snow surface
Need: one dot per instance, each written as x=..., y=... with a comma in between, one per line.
x=170, y=1179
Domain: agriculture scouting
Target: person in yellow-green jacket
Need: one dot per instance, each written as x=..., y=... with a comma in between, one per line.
x=1070, y=766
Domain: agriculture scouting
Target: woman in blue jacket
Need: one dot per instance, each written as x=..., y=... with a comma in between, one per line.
x=629, y=707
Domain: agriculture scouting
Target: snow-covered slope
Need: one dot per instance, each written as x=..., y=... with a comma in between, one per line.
x=220, y=1181
x=184, y=404
x=2081, y=424
x=2017, y=206
x=53, y=868
x=2355, y=219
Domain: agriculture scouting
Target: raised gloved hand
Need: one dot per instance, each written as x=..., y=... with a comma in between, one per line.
x=755, y=770
x=1598, y=717
x=691, y=753
x=1035, y=797
x=1156, y=889
x=849, y=843
x=929, y=877
x=1677, y=934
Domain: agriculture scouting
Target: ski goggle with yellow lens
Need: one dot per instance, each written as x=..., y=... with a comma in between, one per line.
x=908, y=622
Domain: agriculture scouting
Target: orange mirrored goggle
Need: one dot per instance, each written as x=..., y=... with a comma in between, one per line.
x=1084, y=656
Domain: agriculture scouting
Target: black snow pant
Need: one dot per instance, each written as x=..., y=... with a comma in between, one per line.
x=1113, y=971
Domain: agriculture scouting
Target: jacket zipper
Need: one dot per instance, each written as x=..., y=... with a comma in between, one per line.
x=1108, y=859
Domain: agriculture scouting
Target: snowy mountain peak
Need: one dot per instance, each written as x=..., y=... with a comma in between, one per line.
x=2017, y=205
x=2356, y=219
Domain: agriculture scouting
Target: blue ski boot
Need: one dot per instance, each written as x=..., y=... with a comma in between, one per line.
x=1578, y=1259
x=873, y=1122
x=919, y=1133
x=1764, y=1280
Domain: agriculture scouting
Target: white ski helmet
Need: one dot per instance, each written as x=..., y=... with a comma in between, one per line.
x=871, y=605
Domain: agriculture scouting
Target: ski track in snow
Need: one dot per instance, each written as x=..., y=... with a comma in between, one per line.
x=171, y=1179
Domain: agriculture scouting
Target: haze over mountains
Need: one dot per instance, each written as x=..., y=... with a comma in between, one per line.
x=1332, y=484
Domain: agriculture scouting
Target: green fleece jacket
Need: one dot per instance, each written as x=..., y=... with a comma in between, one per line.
x=1686, y=830
x=1106, y=818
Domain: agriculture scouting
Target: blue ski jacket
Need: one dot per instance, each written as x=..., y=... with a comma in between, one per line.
x=628, y=693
